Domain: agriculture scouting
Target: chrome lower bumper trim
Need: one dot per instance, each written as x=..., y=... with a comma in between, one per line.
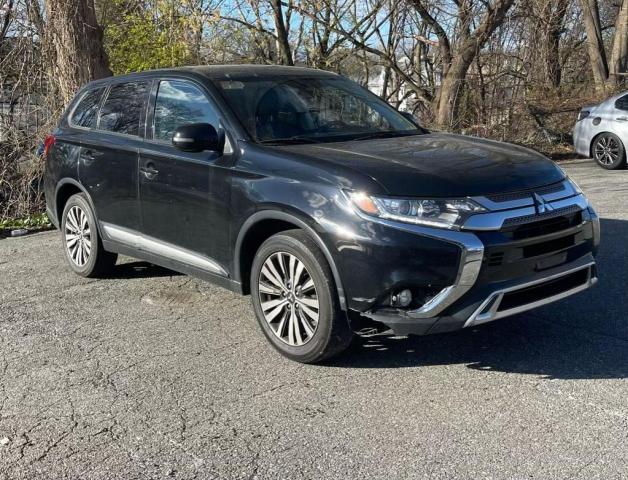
x=484, y=314
x=470, y=265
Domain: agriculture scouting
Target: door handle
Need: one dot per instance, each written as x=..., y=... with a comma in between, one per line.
x=622, y=119
x=149, y=171
x=89, y=156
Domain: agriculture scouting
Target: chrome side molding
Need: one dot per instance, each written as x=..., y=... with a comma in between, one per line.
x=148, y=244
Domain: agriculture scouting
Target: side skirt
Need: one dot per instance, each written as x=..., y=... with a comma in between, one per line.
x=136, y=245
x=228, y=283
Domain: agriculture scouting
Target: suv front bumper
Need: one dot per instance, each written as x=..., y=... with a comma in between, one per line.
x=506, y=266
x=485, y=303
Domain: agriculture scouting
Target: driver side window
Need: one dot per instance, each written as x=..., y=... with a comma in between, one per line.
x=180, y=103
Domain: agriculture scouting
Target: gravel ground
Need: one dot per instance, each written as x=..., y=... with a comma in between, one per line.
x=156, y=375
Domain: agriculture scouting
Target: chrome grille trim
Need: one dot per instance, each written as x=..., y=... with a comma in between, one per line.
x=542, y=216
x=495, y=220
x=524, y=198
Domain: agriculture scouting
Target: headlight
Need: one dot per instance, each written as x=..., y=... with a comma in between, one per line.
x=432, y=212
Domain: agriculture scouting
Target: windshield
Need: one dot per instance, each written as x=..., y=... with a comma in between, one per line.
x=311, y=109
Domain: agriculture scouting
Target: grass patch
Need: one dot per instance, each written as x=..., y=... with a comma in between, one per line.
x=37, y=221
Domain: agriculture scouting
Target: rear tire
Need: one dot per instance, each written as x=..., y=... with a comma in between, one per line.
x=295, y=300
x=609, y=152
x=81, y=241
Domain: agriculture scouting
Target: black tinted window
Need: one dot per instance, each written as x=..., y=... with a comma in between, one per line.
x=622, y=103
x=123, y=108
x=86, y=112
x=316, y=108
x=180, y=103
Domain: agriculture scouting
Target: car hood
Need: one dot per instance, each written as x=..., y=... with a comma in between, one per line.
x=439, y=164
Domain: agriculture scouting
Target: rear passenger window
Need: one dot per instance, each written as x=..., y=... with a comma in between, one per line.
x=180, y=103
x=622, y=103
x=86, y=112
x=122, y=111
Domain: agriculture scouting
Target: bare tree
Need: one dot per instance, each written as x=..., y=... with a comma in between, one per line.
x=6, y=13
x=77, y=40
x=282, y=31
x=457, y=56
x=551, y=15
x=619, y=55
x=269, y=21
x=595, y=43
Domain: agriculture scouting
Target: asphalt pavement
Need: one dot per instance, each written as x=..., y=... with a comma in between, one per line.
x=151, y=374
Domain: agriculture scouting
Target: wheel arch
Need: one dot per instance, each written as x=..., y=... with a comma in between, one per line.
x=65, y=189
x=261, y=226
x=592, y=142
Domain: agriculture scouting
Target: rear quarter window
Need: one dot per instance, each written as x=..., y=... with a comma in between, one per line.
x=123, y=108
x=86, y=112
x=622, y=103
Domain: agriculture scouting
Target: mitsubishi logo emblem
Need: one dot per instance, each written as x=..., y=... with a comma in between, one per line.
x=540, y=204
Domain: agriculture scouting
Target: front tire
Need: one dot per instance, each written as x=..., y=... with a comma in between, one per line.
x=609, y=152
x=81, y=242
x=295, y=300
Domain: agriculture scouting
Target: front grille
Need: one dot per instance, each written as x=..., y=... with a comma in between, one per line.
x=545, y=226
x=550, y=246
x=508, y=197
x=544, y=290
x=542, y=216
x=495, y=259
x=523, y=249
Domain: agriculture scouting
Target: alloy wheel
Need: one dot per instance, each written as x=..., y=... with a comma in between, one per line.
x=607, y=150
x=78, y=238
x=288, y=298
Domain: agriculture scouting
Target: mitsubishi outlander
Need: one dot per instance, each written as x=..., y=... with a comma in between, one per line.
x=329, y=207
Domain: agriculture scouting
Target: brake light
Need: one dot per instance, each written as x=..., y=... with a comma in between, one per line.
x=48, y=143
x=583, y=114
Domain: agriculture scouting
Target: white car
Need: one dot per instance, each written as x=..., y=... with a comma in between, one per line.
x=601, y=132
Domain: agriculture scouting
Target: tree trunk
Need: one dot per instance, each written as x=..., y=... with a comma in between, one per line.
x=595, y=43
x=468, y=46
x=283, y=44
x=450, y=90
x=554, y=15
x=5, y=20
x=619, y=55
x=77, y=41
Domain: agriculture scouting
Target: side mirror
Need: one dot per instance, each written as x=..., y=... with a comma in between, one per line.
x=198, y=137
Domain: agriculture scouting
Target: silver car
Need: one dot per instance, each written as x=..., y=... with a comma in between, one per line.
x=601, y=132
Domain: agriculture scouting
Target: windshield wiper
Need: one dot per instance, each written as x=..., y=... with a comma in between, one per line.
x=296, y=139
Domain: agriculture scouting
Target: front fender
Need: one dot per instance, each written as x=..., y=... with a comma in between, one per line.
x=298, y=219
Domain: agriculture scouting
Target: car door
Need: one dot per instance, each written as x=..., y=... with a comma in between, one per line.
x=108, y=160
x=621, y=119
x=184, y=195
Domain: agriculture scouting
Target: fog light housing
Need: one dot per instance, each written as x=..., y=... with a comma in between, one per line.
x=402, y=298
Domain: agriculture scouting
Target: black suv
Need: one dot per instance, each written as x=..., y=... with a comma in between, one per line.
x=332, y=209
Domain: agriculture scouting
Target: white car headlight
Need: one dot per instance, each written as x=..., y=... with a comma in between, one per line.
x=431, y=212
